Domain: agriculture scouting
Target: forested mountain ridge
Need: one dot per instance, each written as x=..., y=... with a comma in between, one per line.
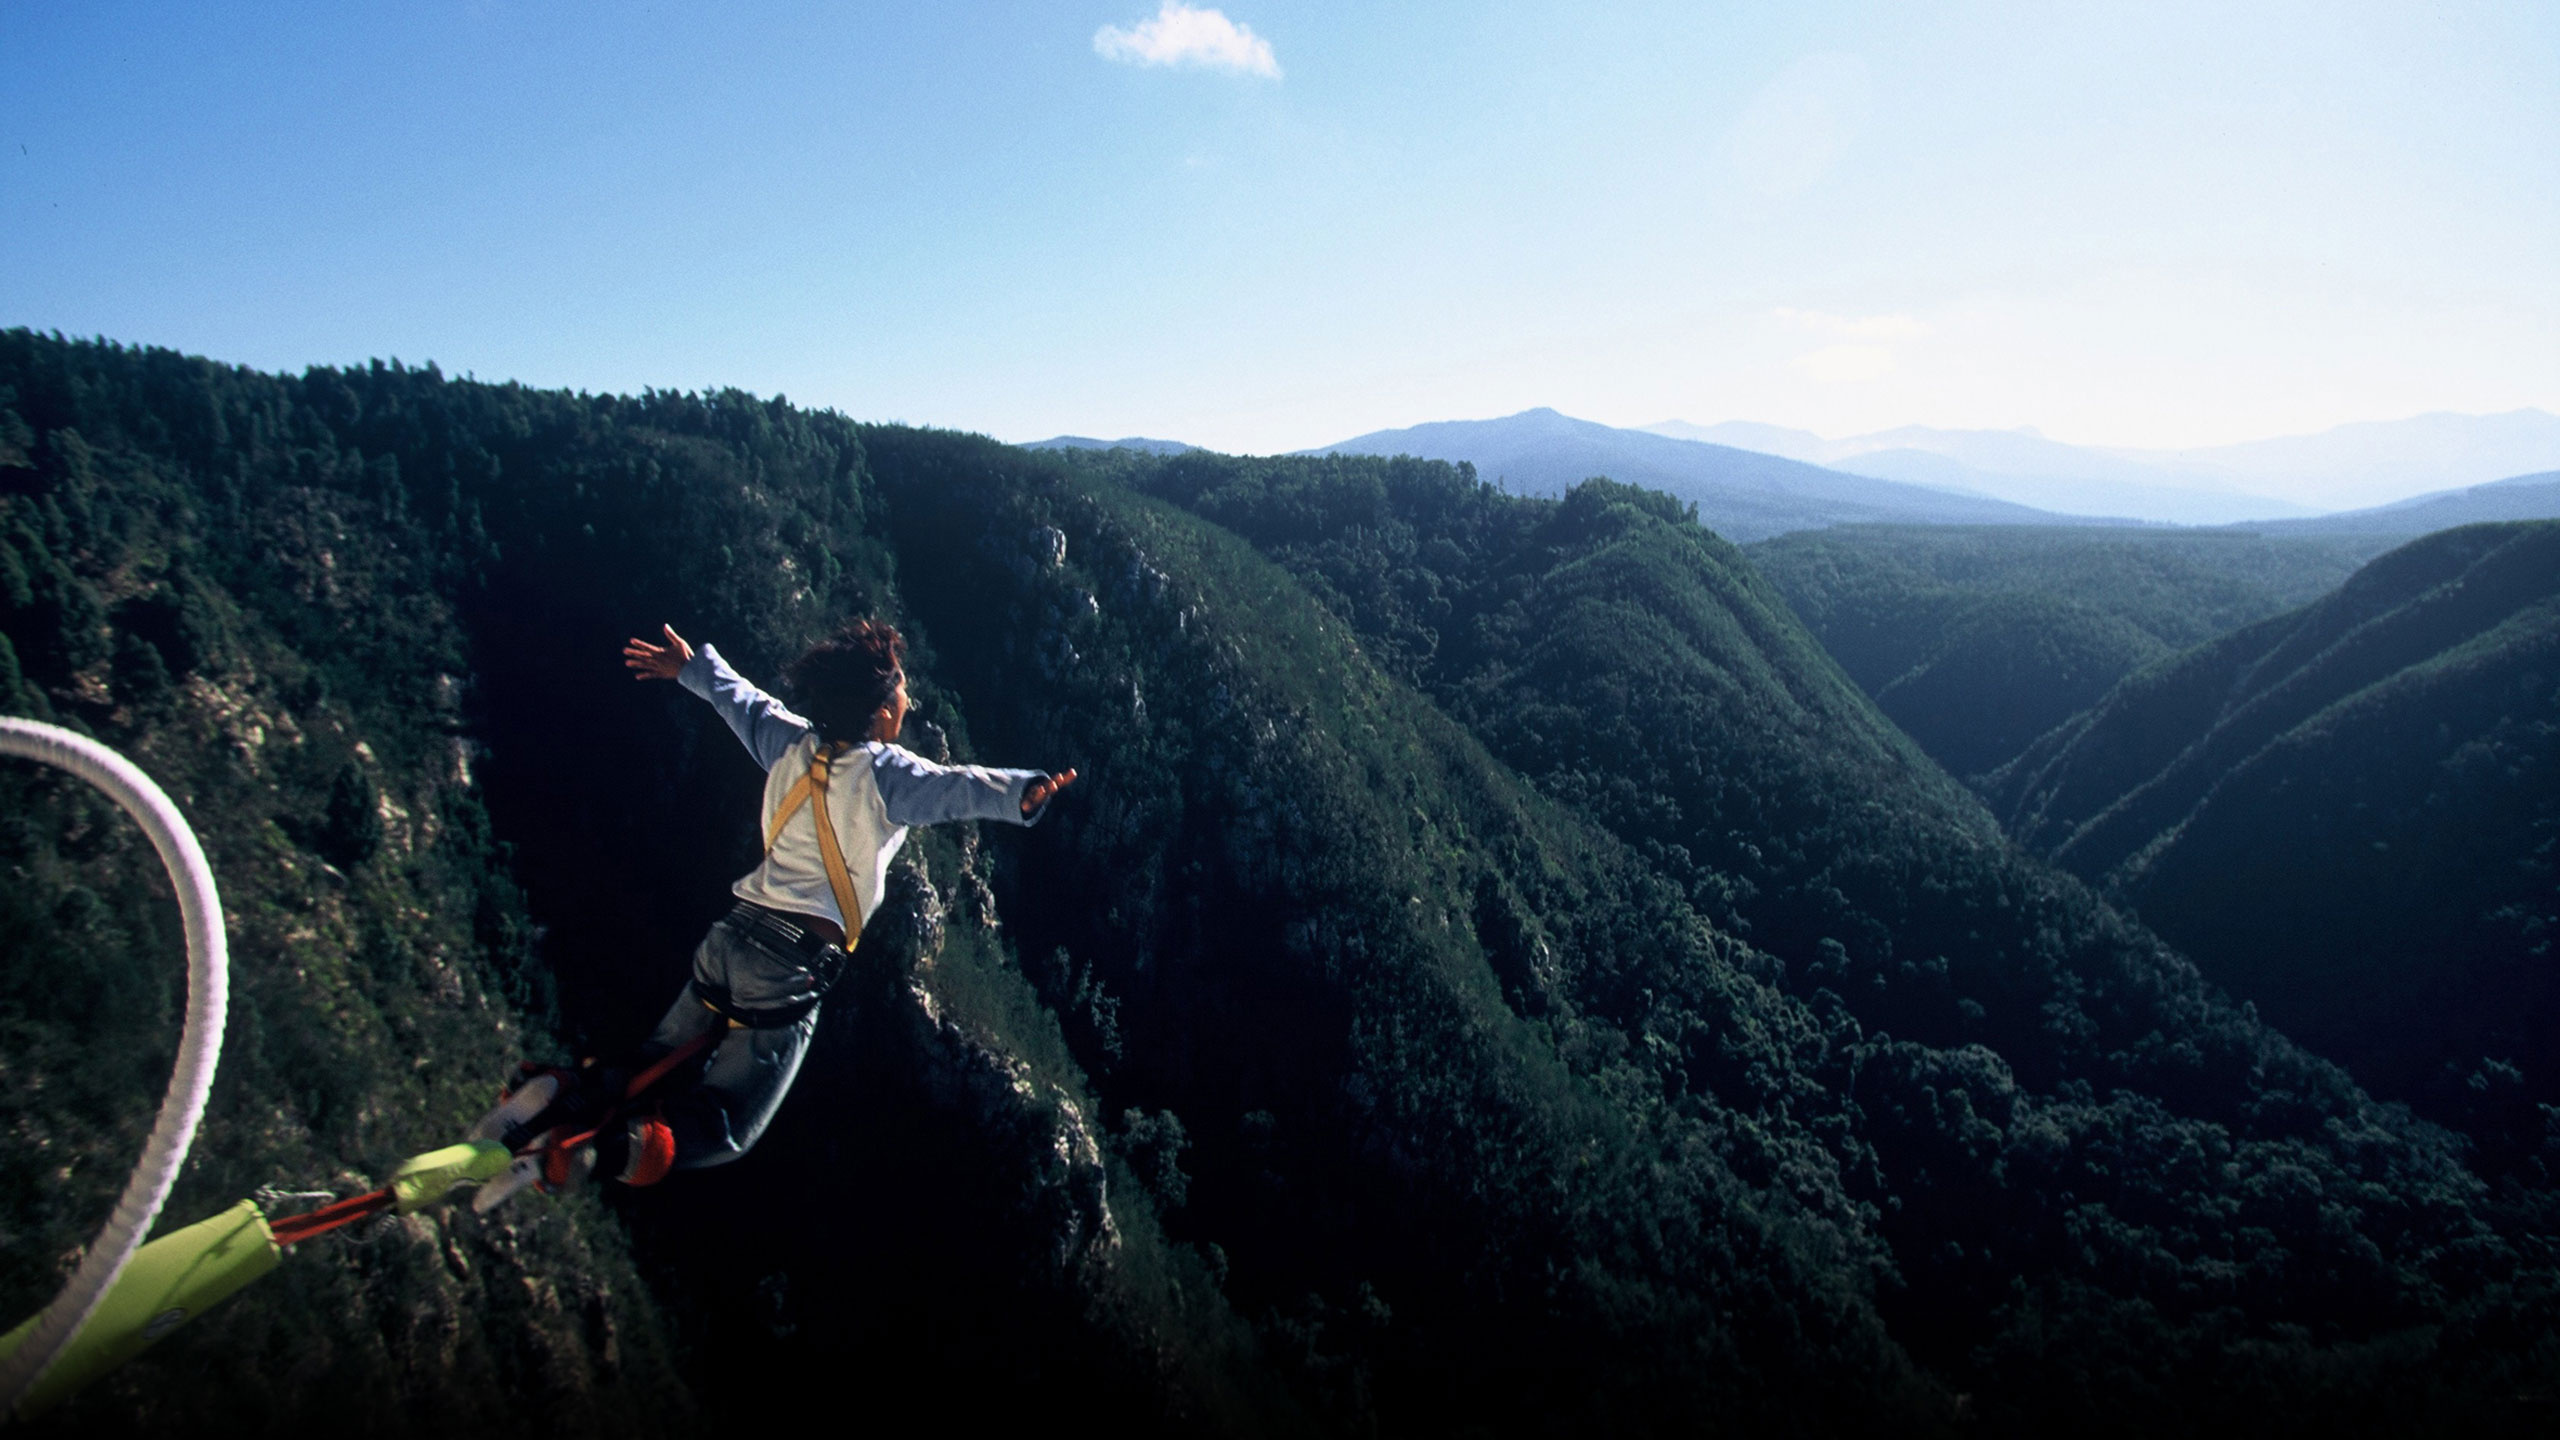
x=1458, y=996
x=2350, y=814
x=286, y=666
x=1578, y=639
x=362, y=624
x=1978, y=640
x=1384, y=988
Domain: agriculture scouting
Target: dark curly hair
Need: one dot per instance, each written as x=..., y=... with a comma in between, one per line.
x=847, y=677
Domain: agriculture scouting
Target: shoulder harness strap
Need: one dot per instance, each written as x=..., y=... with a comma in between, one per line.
x=812, y=792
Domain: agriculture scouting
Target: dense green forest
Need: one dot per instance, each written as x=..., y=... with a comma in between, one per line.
x=1498, y=974
x=1976, y=640
x=1637, y=669
x=275, y=642
x=363, y=625
x=2350, y=814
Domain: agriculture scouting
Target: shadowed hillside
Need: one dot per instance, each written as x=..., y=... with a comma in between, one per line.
x=2050, y=1066
x=1976, y=641
x=2349, y=814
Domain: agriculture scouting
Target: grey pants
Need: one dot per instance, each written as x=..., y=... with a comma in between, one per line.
x=717, y=1119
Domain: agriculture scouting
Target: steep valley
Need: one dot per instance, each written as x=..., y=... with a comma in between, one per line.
x=2350, y=814
x=1498, y=974
x=1978, y=640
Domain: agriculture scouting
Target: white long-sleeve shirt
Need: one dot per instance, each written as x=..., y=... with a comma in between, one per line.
x=871, y=806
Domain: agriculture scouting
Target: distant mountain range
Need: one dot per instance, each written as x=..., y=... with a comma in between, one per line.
x=1752, y=481
x=2526, y=497
x=2371, y=464
x=2015, y=465
x=1125, y=442
x=1741, y=494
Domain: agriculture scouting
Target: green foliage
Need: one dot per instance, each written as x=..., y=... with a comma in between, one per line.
x=1976, y=640
x=351, y=828
x=1497, y=973
x=2059, y=1086
x=384, y=609
x=2348, y=815
x=1282, y=870
x=366, y=1015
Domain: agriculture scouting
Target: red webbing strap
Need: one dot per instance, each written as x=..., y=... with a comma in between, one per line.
x=298, y=1228
x=669, y=1061
x=640, y=1083
x=295, y=1229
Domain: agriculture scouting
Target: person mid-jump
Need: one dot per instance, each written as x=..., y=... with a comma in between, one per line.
x=839, y=796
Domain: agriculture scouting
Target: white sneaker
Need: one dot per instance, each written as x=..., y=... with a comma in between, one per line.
x=523, y=1172
x=519, y=1107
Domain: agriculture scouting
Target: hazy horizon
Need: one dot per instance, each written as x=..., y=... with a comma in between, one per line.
x=1267, y=226
x=1661, y=426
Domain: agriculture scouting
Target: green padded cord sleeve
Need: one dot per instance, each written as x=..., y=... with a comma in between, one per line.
x=167, y=1283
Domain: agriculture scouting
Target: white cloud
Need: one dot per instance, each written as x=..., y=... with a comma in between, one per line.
x=1183, y=35
x=1855, y=327
x=1845, y=364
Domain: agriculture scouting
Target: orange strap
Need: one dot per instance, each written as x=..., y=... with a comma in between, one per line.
x=812, y=792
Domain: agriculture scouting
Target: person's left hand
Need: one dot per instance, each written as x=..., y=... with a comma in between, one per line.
x=1038, y=792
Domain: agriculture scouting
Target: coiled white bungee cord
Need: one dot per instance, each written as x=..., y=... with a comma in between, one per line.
x=199, y=1046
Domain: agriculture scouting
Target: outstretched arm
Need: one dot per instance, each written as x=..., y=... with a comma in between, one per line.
x=915, y=791
x=760, y=722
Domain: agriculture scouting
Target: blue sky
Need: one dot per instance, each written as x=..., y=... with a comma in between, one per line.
x=1284, y=223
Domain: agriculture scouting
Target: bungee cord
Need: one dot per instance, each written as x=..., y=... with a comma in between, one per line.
x=199, y=1045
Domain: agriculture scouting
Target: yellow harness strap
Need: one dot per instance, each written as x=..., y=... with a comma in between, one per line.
x=812, y=792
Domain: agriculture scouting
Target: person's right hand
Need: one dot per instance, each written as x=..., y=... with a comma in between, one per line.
x=656, y=662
